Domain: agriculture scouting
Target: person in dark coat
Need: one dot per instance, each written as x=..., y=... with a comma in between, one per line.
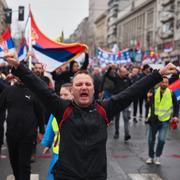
x=84, y=133
x=121, y=82
x=97, y=82
x=38, y=69
x=24, y=113
x=139, y=101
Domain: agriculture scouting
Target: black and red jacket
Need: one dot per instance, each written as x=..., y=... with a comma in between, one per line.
x=84, y=133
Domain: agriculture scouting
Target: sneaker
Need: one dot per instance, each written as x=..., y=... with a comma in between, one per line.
x=116, y=136
x=157, y=161
x=140, y=117
x=135, y=120
x=149, y=161
x=126, y=138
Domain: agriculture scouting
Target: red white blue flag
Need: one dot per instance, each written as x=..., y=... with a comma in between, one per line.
x=51, y=53
x=175, y=87
x=23, y=49
x=6, y=42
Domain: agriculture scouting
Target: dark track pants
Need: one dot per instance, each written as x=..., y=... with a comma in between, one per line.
x=20, y=156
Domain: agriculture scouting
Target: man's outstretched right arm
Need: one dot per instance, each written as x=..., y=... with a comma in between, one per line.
x=36, y=85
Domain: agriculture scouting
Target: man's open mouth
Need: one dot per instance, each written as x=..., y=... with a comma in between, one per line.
x=84, y=94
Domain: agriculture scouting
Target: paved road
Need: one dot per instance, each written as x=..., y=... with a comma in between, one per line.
x=129, y=158
x=126, y=161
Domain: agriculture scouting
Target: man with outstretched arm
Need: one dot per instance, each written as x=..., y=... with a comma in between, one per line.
x=84, y=133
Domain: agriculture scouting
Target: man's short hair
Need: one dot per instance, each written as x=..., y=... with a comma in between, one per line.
x=146, y=66
x=165, y=77
x=66, y=85
x=83, y=72
x=39, y=63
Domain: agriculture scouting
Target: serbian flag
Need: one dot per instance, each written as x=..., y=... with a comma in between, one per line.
x=51, y=53
x=6, y=42
x=23, y=49
x=175, y=87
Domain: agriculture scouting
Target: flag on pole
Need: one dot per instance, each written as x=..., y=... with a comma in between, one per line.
x=6, y=42
x=51, y=53
x=175, y=87
x=22, y=53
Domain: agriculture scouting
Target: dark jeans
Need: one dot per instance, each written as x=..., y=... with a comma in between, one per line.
x=20, y=156
x=126, y=118
x=161, y=128
x=141, y=100
x=135, y=106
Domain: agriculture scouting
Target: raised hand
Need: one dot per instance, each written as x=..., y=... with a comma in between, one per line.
x=168, y=69
x=11, y=59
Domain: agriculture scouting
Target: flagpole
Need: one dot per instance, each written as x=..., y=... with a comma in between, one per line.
x=30, y=42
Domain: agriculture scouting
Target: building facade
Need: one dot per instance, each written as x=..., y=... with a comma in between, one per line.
x=81, y=33
x=3, y=25
x=101, y=30
x=137, y=24
x=114, y=7
x=96, y=9
x=101, y=27
x=153, y=24
x=169, y=30
x=149, y=23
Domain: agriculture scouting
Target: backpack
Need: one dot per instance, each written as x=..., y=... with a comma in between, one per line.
x=69, y=109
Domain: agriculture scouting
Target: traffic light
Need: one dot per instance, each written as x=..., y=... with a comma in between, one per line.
x=21, y=13
x=8, y=15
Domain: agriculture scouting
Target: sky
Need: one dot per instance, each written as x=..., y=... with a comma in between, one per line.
x=51, y=16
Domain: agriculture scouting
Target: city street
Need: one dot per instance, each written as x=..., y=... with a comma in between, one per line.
x=126, y=161
x=82, y=52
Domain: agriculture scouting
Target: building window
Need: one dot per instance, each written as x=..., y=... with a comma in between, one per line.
x=168, y=27
x=178, y=4
x=178, y=24
x=150, y=18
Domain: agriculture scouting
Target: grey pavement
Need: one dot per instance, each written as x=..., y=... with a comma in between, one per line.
x=126, y=161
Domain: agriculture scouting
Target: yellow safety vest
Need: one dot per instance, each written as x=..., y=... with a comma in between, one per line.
x=163, y=106
x=56, y=132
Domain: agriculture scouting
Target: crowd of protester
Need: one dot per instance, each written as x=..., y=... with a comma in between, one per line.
x=109, y=82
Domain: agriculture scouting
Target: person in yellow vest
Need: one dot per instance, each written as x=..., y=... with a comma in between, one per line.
x=52, y=132
x=163, y=105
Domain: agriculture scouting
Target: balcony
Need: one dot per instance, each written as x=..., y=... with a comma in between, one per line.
x=111, y=40
x=113, y=3
x=111, y=31
x=166, y=2
x=111, y=21
x=112, y=13
x=166, y=35
x=166, y=16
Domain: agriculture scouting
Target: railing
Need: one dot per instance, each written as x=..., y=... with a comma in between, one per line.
x=165, y=2
x=166, y=16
